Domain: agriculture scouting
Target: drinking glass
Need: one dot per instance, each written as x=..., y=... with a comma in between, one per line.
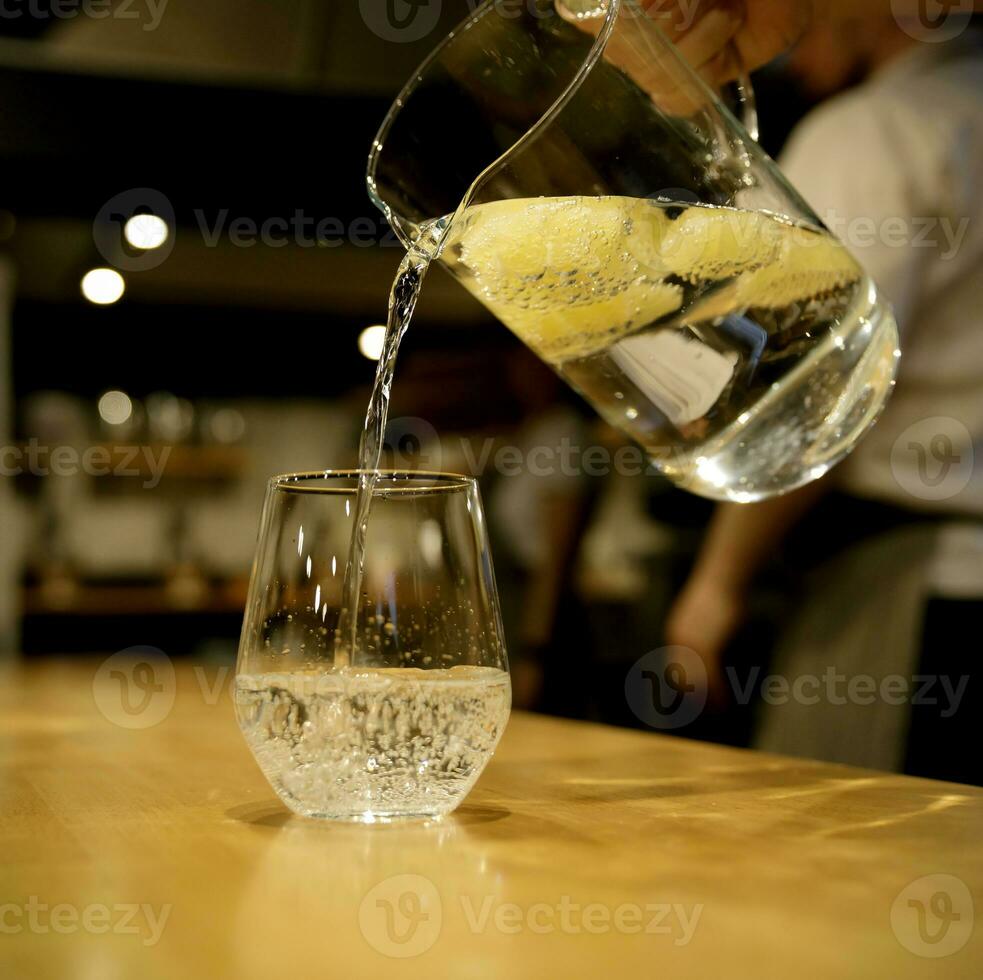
x=582, y=181
x=402, y=726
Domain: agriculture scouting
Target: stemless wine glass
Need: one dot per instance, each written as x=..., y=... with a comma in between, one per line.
x=582, y=181
x=404, y=727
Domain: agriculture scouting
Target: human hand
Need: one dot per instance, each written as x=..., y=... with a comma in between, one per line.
x=720, y=39
x=704, y=618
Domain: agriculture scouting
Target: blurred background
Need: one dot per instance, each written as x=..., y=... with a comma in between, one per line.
x=154, y=374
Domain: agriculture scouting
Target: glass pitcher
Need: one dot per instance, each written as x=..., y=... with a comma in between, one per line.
x=580, y=179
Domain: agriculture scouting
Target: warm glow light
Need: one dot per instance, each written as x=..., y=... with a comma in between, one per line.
x=102, y=286
x=710, y=471
x=431, y=543
x=228, y=425
x=370, y=342
x=115, y=407
x=146, y=231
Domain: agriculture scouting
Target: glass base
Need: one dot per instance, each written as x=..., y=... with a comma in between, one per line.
x=373, y=817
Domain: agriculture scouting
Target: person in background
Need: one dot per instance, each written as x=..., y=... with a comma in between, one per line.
x=893, y=538
x=536, y=510
x=11, y=531
x=723, y=38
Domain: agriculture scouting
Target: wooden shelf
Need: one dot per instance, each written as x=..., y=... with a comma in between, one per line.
x=178, y=597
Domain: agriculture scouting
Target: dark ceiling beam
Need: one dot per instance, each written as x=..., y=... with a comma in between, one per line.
x=68, y=143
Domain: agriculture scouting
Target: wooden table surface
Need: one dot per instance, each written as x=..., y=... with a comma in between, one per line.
x=159, y=851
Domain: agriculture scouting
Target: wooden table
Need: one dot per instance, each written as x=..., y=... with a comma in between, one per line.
x=160, y=852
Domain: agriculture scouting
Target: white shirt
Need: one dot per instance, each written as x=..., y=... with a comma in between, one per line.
x=891, y=167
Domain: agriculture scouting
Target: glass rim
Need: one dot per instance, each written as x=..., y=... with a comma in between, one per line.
x=417, y=482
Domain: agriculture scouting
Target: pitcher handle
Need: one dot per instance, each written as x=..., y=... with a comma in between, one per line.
x=581, y=12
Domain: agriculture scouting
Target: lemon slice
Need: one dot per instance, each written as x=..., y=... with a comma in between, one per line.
x=614, y=237
x=571, y=275
x=812, y=263
x=566, y=331
x=775, y=262
x=720, y=243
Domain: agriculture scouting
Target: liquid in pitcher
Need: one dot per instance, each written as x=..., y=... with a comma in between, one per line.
x=744, y=352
